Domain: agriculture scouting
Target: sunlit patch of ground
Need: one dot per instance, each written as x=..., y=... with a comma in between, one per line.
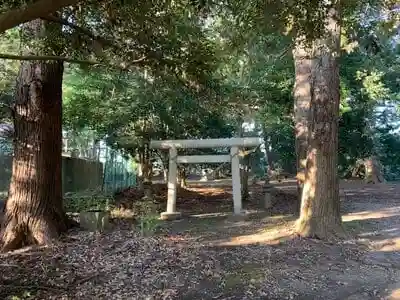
x=281, y=230
x=381, y=227
x=395, y=294
x=272, y=233
x=212, y=256
x=209, y=191
x=373, y=214
x=270, y=237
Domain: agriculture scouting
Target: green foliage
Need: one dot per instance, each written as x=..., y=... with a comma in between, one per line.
x=282, y=143
x=354, y=140
x=205, y=66
x=129, y=109
x=367, y=85
x=258, y=82
x=26, y=295
x=390, y=159
x=9, y=43
x=88, y=200
x=149, y=224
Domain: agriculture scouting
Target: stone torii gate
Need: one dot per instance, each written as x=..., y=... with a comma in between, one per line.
x=174, y=159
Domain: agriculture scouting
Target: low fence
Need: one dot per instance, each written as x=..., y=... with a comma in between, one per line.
x=81, y=174
x=84, y=168
x=77, y=174
x=118, y=174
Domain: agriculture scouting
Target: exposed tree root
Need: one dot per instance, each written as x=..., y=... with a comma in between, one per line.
x=320, y=228
x=18, y=232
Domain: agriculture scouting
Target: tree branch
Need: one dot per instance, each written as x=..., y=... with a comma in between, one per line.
x=100, y=40
x=47, y=57
x=82, y=30
x=66, y=59
x=40, y=8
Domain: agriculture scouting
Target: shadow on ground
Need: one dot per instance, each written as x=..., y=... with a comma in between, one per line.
x=262, y=249
x=261, y=259
x=214, y=256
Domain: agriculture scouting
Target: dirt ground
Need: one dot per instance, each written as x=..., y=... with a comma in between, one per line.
x=210, y=255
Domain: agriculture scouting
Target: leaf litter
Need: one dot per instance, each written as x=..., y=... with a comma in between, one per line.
x=198, y=259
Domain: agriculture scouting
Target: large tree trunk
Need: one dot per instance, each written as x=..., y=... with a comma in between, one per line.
x=165, y=162
x=218, y=173
x=373, y=170
x=320, y=207
x=244, y=177
x=165, y=174
x=145, y=172
x=139, y=175
x=182, y=177
x=302, y=99
x=34, y=211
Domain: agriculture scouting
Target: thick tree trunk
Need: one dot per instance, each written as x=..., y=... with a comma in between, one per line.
x=26, y=13
x=302, y=99
x=182, y=178
x=373, y=170
x=148, y=190
x=165, y=174
x=244, y=178
x=320, y=207
x=145, y=172
x=34, y=211
x=139, y=175
x=218, y=174
x=165, y=162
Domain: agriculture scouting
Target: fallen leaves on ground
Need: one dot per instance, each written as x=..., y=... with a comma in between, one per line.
x=185, y=261
x=189, y=200
x=123, y=265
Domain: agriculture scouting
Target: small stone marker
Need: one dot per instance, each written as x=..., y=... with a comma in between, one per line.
x=95, y=220
x=267, y=200
x=268, y=197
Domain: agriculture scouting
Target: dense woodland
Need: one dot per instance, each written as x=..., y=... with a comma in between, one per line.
x=320, y=79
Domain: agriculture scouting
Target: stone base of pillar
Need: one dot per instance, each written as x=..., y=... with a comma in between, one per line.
x=170, y=216
x=242, y=216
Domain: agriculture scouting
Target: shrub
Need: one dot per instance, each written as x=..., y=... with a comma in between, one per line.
x=87, y=200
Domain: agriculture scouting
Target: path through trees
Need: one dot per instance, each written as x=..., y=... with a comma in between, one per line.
x=210, y=256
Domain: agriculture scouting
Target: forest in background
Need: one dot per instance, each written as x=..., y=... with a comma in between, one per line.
x=249, y=78
x=318, y=78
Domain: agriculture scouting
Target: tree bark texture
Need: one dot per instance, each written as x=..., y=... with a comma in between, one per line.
x=165, y=164
x=320, y=206
x=145, y=171
x=244, y=165
x=244, y=177
x=182, y=177
x=302, y=94
x=373, y=170
x=34, y=210
x=165, y=174
x=15, y=17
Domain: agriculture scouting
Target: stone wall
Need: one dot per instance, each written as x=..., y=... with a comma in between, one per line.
x=77, y=174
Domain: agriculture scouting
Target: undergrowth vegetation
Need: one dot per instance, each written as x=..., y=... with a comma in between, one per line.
x=145, y=214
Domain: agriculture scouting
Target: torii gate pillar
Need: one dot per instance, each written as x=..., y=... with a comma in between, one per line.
x=171, y=213
x=172, y=145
